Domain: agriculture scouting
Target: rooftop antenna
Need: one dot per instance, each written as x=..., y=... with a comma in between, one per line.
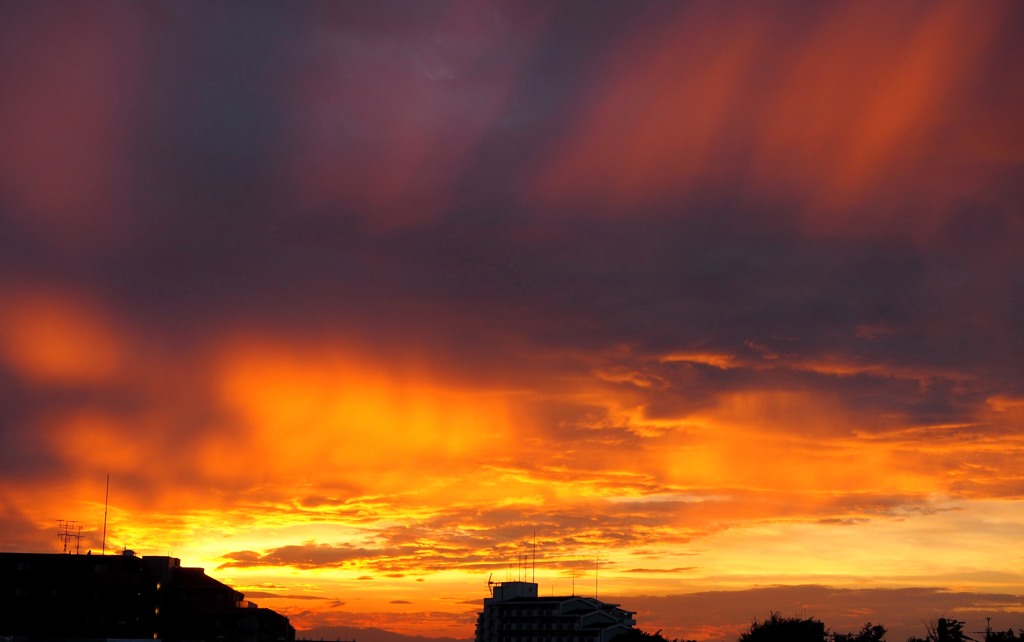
x=597, y=567
x=533, y=578
x=106, y=503
x=69, y=530
x=573, y=573
x=490, y=584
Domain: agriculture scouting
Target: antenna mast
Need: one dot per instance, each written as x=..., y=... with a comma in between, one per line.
x=597, y=567
x=534, y=572
x=106, y=502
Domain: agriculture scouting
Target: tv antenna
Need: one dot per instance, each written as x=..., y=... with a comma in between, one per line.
x=106, y=503
x=491, y=584
x=68, y=530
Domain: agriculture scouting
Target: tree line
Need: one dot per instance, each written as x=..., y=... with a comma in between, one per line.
x=776, y=628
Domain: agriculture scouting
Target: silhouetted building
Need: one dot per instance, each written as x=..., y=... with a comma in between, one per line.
x=515, y=613
x=59, y=596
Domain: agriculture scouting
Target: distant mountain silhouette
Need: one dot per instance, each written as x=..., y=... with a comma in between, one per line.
x=331, y=633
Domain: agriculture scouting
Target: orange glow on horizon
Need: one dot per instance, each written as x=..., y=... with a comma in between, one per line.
x=397, y=480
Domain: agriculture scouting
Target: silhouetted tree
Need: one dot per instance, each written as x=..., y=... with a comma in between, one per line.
x=867, y=633
x=1000, y=636
x=636, y=635
x=776, y=628
x=945, y=630
x=950, y=631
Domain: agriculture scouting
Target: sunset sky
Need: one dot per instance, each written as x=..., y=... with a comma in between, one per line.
x=351, y=300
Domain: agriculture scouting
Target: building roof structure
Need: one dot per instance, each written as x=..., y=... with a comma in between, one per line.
x=75, y=597
x=516, y=613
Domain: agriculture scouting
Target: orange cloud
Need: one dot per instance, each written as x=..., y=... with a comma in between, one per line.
x=59, y=337
x=866, y=99
x=661, y=108
x=842, y=105
x=334, y=416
